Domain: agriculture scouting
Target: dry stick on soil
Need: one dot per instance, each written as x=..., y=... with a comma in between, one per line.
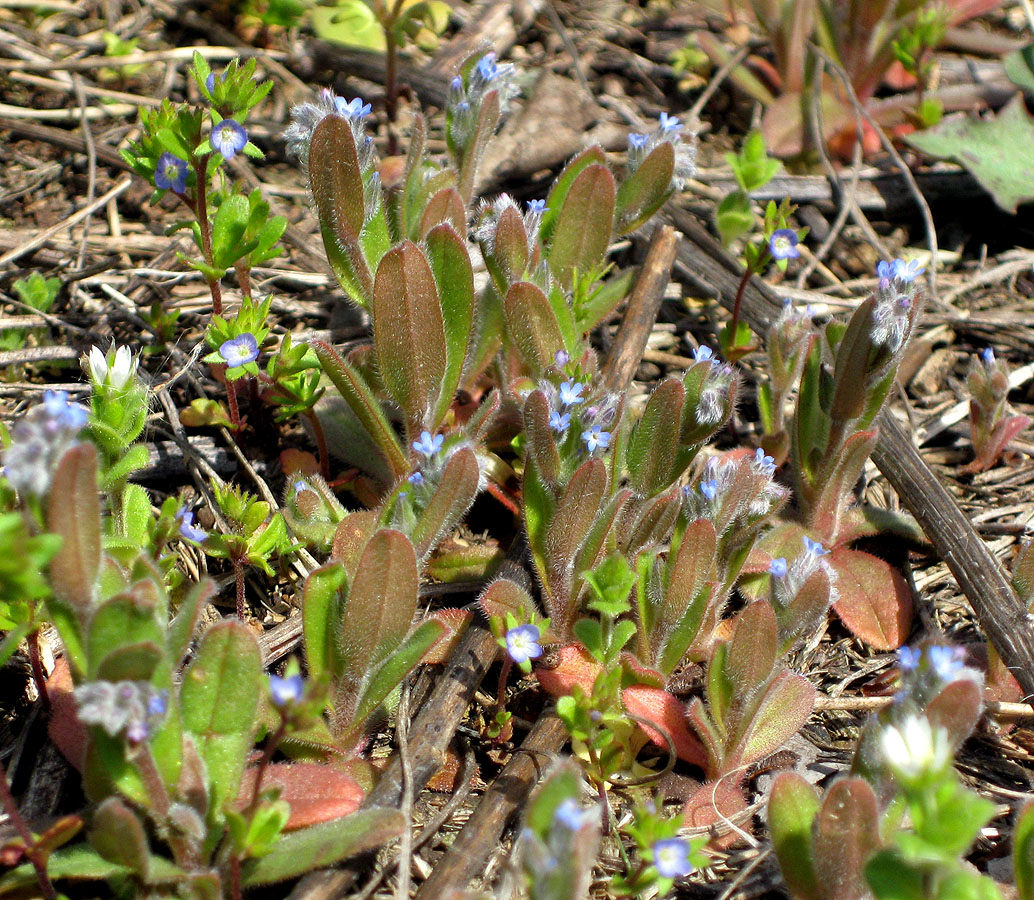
x=1000, y=613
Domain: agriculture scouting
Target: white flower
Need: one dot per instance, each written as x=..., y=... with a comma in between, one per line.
x=915, y=747
x=115, y=368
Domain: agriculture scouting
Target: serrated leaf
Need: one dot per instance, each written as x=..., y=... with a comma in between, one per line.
x=409, y=334
x=873, y=599
x=998, y=151
x=219, y=703
x=532, y=325
x=583, y=229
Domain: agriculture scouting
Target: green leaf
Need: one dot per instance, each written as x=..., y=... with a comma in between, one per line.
x=575, y=514
x=646, y=190
x=892, y=878
x=734, y=217
x=558, y=193
x=409, y=334
x=845, y=837
x=119, y=837
x=654, y=444
x=450, y=263
x=1019, y=68
x=583, y=229
x=321, y=607
x=997, y=151
x=228, y=231
x=452, y=498
x=219, y=700
x=792, y=807
x=74, y=514
x=122, y=621
x=324, y=845
x=1023, y=852
x=532, y=325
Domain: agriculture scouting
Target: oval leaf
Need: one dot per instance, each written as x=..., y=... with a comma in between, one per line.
x=873, y=599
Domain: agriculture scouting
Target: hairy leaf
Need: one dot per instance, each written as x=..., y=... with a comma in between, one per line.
x=873, y=601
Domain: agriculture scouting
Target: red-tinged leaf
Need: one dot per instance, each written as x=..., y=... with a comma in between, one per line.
x=455, y=622
x=381, y=603
x=689, y=612
x=709, y=735
x=781, y=713
x=337, y=191
x=64, y=727
x=957, y=709
x=1000, y=438
x=654, y=444
x=715, y=804
x=455, y=493
x=409, y=334
x=801, y=617
x=583, y=229
x=650, y=704
x=575, y=514
x=753, y=648
x=444, y=207
x=653, y=522
x=532, y=325
x=457, y=561
x=510, y=249
x=846, y=835
x=646, y=190
x=541, y=440
x=352, y=535
x=873, y=598
x=557, y=194
x=117, y=835
x=852, y=364
x=74, y=514
x=504, y=596
x=792, y=807
x=450, y=263
x=575, y=667
x=827, y=515
x=364, y=405
x=315, y=793
x=488, y=119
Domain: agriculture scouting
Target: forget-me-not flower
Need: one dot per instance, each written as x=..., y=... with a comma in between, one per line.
x=285, y=691
x=814, y=548
x=429, y=444
x=571, y=393
x=559, y=422
x=777, y=568
x=596, y=437
x=187, y=528
x=671, y=857
x=783, y=244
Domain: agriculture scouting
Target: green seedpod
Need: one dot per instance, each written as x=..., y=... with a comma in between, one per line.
x=454, y=276
x=792, y=807
x=654, y=444
x=336, y=182
x=219, y=702
x=456, y=491
x=409, y=334
x=646, y=190
x=532, y=324
x=583, y=229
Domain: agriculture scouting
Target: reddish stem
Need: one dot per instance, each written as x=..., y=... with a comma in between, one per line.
x=231, y=400
x=238, y=577
x=38, y=860
x=36, y=664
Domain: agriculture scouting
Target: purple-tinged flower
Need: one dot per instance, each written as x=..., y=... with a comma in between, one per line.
x=946, y=662
x=522, y=643
x=537, y=207
x=561, y=358
x=814, y=548
x=137, y=732
x=884, y=271
x=638, y=141
x=559, y=422
x=571, y=393
x=777, y=568
x=210, y=82
x=596, y=437
x=571, y=816
x=764, y=462
x=158, y=704
x=988, y=357
x=187, y=528
x=783, y=244
x=906, y=272
x=669, y=124
x=428, y=444
x=703, y=353
x=65, y=416
x=352, y=109
x=286, y=691
x=671, y=857
x=228, y=138
x=908, y=658
x=487, y=68
x=171, y=173
x=709, y=488
x=416, y=478
x=239, y=351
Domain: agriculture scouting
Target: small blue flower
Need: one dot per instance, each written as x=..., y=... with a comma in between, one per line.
x=906, y=271
x=522, y=643
x=814, y=548
x=596, y=437
x=783, y=244
x=286, y=691
x=239, y=351
x=988, y=356
x=703, y=354
x=884, y=271
x=416, y=478
x=764, y=462
x=188, y=530
x=571, y=815
x=561, y=358
x=456, y=84
x=669, y=124
x=171, y=173
x=638, y=141
x=228, y=138
x=70, y=416
x=945, y=662
x=777, y=568
x=908, y=658
x=671, y=857
x=571, y=393
x=428, y=444
x=352, y=109
x=709, y=488
x=559, y=422
x=210, y=82
x=301, y=485
x=536, y=207
x=487, y=67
